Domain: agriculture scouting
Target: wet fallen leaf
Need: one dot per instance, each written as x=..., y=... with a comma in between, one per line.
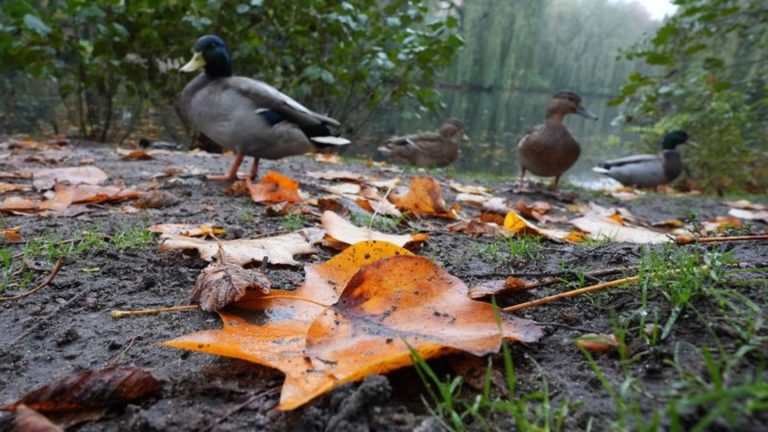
x=237, y=188
x=134, y=155
x=90, y=389
x=346, y=233
x=472, y=199
x=19, y=204
x=606, y=229
x=758, y=215
x=343, y=189
x=474, y=227
x=156, y=199
x=339, y=175
x=745, y=205
x=669, y=223
x=29, y=420
x=385, y=208
x=469, y=189
x=497, y=286
x=387, y=303
x=11, y=234
x=597, y=342
x=536, y=210
x=721, y=223
x=47, y=178
x=188, y=230
x=274, y=187
x=278, y=249
x=281, y=209
x=424, y=197
x=515, y=224
x=14, y=187
x=223, y=283
x=66, y=195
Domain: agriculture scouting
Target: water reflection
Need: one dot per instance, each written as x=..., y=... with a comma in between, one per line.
x=495, y=123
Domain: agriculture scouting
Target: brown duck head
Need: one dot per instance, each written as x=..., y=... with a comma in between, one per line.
x=564, y=103
x=452, y=129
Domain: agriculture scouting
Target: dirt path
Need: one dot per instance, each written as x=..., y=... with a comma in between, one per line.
x=66, y=326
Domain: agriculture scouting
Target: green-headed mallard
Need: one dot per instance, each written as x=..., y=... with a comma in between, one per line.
x=550, y=149
x=426, y=149
x=648, y=170
x=248, y=116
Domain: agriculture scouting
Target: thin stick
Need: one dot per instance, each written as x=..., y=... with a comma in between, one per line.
x=43, y=284
x=122, y=353
x=376, y=210
x=572, y=293
x=684, y=240
x=124, y=313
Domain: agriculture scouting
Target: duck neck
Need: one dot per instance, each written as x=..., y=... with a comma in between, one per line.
x=218, y=66
x=555, y=117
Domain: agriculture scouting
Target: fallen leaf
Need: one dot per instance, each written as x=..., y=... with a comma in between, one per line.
x=759, y=215
x=474, y=371
x=386, y=184
x=278, y=250
x=346, y=233
x=597, y=342
x=745, y=205
x=474, y=227
x=12, y=234
x=188, y=230
x=157, y=199
x=424, y=197
x=497, y=286
x=19, y=204
x=329, y=158
x=721, y=223
x=536, y=210
x=237, y=188
x=669, y=223
x=339, y=175
x=274, y=187
x=90, y=389
x=29, y=420
x=343, y=189
x=331, y=204
x=385, y=208
x=66, y=195
x=472, y=199
x=517, y=225
x=604, y=228
x=387, y=303
x=47, y=178
x=223, y=283
x=134, y=155
x=469, y=189
x=14, y=187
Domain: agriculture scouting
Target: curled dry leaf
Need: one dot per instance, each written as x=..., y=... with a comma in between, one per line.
x=47, y=178
x=157, y=199
x=29, y=420
x=390, y=300
x=474, y=227
x=601, y=228
x=188, y=230
x=425, y=198
x=278, y=249
x=346, y=233
x=535, y=210
x=274, y=187
x=237, y=188
x=597, y=342
x=90, y=389
x=14, y=187
x=223, y=283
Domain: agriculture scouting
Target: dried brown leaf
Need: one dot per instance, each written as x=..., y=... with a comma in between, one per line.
x=29, y=420
x=278, y=249
x=222, y=283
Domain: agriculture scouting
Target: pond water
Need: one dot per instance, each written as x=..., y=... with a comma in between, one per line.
x=495, y=122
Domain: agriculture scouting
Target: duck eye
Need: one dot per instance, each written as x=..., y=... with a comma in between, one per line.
x=212, y=45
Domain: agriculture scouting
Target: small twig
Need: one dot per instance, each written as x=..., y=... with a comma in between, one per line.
x=376, y=210
x=684, y=240
x=250, y=400
x=572, y=293
x=124, y=313
x=43, y=284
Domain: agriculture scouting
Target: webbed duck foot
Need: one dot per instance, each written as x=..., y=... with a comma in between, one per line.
x=232, y=173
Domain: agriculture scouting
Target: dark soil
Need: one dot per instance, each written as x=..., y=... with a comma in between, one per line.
x=66, y=327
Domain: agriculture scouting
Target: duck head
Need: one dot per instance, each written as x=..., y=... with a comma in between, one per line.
x=674, y=139
x=567, y=102
x=452, y=129
x=211, y=53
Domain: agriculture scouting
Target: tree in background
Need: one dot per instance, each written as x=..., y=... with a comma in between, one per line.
x=343, y=58
x=707, y=74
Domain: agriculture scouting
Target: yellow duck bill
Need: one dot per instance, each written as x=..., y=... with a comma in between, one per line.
x=196, y=63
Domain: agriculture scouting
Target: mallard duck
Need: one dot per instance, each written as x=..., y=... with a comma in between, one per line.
x=648, y=170
x=426, y=149
x=550, y=149
x=248, y=116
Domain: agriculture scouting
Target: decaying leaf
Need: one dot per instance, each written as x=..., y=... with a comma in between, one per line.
x=597, y=342
x=19, y=204
x=745, y=205
x=157, y=199
x=237, y=188
x=343, y=189
x=66, y=195
x=345, y=232
x=517, y=225
x=11, y=234
x=758, y=215
x=536, y=210
x=497, y=286
x=425, y=198
x=604, y=228
x=472, y=199
x=274, y=187
x=134, y=155
x=188, y=230
x=474, y=227
x=385, y=208
x=469, y=189
x=90, y=389
x=47, y=178
x=14, y=187
x=390, y=300
x=29, y=420
x=223, y=283
x=348, y=176
x=278, y=250
x=721, y=223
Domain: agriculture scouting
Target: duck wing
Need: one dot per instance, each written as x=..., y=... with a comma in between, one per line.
x=630, y=160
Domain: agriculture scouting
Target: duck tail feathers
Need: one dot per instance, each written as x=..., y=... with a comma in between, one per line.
x=600, y=169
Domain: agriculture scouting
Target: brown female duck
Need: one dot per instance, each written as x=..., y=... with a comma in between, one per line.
x=550, y=150
x=427, y=149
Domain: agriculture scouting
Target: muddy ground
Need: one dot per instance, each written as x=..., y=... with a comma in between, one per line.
x=67, y=327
